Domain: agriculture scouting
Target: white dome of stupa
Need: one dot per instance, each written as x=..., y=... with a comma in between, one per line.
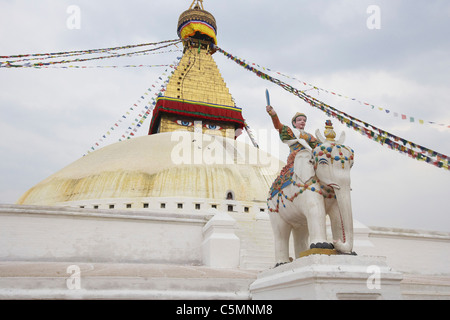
x=176, y=165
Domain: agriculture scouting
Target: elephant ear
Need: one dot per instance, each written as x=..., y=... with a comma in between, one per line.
x=303, y=166
x=319, y=136
x=341, y=138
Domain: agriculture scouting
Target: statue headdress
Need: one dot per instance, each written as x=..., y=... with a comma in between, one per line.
x=298, y=114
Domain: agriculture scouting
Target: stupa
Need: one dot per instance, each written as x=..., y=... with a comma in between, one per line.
x=133, y=174
x=190, y=161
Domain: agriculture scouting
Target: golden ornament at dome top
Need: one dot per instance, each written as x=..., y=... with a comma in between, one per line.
x=329, y=132
x=197, y=13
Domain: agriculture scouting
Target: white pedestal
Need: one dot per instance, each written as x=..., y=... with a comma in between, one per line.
x=221, y=246
x=334, y=277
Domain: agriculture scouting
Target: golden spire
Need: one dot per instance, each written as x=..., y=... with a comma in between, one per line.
x=196, y=91
x=197, y=5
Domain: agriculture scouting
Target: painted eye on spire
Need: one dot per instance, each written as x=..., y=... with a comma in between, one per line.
x=212, y=126
x=185, y=123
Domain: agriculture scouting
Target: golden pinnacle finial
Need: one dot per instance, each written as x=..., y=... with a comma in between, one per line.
x=197, y=24
x=329, y=132
x=199, y=4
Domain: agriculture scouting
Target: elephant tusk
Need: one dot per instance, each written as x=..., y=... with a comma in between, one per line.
x=334, y=186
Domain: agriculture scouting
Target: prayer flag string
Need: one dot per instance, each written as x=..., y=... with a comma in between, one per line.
x=106, y=67
x=27, y=64
x=62, y=66
x=410, y=118
x=383, y=137
x=90, y=51
x=152, y=93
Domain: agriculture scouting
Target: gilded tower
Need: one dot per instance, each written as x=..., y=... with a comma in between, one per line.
x=196, y=95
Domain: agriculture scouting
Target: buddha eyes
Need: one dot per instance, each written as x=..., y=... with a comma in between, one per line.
x=212, y=126
x=186, y=123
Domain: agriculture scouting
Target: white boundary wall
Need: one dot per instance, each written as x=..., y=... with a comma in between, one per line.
x=37, y=233
x=177, y=237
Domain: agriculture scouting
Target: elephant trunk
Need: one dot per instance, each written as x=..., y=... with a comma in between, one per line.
x=344, y=234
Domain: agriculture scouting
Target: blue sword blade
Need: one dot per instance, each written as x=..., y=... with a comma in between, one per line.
x=267, y=97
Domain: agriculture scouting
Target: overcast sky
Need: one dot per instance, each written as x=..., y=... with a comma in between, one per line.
x=401, y=62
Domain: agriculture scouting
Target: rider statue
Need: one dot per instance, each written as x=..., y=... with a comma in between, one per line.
x=295, y=145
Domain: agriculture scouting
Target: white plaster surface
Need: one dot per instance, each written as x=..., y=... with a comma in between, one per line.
x=323, y=277
x=121, y=250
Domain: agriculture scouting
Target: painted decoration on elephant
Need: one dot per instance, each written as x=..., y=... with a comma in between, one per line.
x=314, y=184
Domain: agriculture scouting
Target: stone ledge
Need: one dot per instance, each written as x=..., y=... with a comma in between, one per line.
x=101, y=213
x=326, y=277
x=47, y=280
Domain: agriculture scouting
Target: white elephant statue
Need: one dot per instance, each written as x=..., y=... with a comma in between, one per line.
x=320, y=185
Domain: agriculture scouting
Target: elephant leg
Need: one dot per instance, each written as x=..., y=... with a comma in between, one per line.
x=301, y=239
x=315, y=216
x=281, y=232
